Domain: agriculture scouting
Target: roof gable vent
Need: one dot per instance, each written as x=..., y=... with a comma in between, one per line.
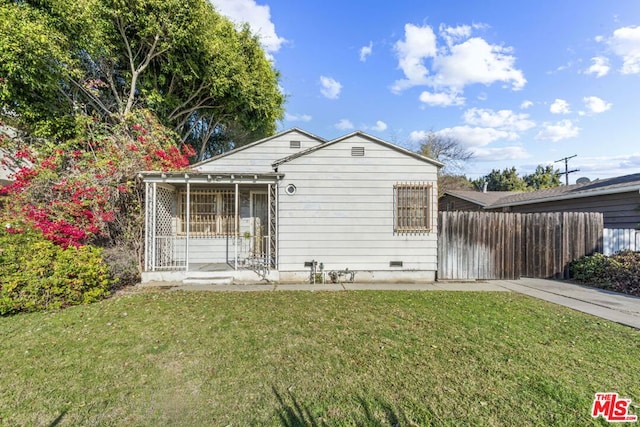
x=294, y=144
x=357, y=151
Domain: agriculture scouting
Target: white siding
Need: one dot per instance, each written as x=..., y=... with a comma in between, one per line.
x=260, y=157
x=342, y=213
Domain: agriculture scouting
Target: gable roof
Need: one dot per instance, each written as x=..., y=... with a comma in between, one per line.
x=480, y=198
x=260, y=141
x=363, y=135
x=500, y=199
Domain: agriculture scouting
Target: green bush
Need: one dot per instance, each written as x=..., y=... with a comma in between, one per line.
x=619, y=272
x=36, y=274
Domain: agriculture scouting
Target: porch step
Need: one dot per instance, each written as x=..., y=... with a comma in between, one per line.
x=214, y=280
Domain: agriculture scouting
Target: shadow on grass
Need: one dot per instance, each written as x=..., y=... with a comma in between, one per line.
x=58, y=419
x=374, y=412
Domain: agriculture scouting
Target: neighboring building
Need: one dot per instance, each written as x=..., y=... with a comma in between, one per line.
x=275, y=207
x=465, y=200
x=617, y=198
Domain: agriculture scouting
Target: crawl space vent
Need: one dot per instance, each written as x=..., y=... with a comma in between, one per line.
x=395, y=264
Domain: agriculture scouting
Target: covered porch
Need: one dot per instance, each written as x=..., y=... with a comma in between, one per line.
x=202, y=226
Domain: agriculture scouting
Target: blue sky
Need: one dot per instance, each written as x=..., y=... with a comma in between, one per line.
x=518, y=83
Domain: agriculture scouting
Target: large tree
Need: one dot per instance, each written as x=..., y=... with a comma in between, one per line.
x=445, y=150
x=201, y=75
x=453, y=155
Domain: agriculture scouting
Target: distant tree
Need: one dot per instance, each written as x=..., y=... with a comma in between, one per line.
x=452, y=183
x=509, y=180
x=445, y=150
x=453, y=155
x=543, y=177
x=506, y=180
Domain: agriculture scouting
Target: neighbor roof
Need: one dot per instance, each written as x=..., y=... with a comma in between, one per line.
x=499, y=199
x=363, y=135
x=480, y=198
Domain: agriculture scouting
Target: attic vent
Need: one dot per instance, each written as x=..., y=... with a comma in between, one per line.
x=294, y=144
x=357, y=151
x=395, y=264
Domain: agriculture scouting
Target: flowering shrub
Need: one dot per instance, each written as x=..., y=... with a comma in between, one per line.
x=36, y=274
x=84, y=190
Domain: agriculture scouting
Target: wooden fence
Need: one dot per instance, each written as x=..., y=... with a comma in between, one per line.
x=490, y=245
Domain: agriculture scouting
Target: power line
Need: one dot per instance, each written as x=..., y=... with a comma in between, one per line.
x=566, y=168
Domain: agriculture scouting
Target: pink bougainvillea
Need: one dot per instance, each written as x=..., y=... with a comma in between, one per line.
x=74, y=191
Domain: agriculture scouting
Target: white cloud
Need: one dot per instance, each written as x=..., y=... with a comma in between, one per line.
x=514, y=152
x=476, y=61
x=379, y=126
x=441, y=99
x=344, y=124
x=418, y=135
x=600, y=66
x=330, y=87
x=526, y=104
x=297, y=117
x=560, y=106
x=365, y=51
x=502, y=119
x=419, y=44
x=611, y=166
x=475, y=136
x=476, y=139
x=555, y=132
x=257, y=16
x=625, y=42
x=595, y=105
x=461, y=61
x=454, y=34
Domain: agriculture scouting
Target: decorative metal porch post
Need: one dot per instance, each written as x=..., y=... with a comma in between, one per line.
x=235, y=228
x=186, y=243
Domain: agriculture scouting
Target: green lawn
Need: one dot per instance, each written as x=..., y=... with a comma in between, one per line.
x=313, y=358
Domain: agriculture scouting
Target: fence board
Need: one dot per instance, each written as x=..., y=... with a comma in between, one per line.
x=492, y=245
x=619, y=239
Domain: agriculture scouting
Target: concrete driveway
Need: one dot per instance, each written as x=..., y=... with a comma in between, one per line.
x=620, y=308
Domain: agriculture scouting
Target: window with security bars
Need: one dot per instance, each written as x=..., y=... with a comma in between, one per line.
x=211, y=213
x=412, y=207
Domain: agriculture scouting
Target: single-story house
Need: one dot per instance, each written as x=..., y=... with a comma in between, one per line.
x=294, y=204
x=617, y=198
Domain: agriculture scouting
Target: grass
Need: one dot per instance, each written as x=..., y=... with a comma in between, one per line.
x=313, y=358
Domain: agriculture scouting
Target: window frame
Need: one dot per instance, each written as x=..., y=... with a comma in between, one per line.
x=412, y=208
x=211, y=213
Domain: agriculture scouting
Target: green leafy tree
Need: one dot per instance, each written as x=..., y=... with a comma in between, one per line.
x=505, y=180
x=544, y=177
x=509, y=180
x=201, y=76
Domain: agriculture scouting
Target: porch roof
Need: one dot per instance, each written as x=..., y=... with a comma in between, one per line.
x=192, y=177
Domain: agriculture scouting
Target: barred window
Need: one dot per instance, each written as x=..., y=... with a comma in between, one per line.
x=412, y=207
x=211, y=213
